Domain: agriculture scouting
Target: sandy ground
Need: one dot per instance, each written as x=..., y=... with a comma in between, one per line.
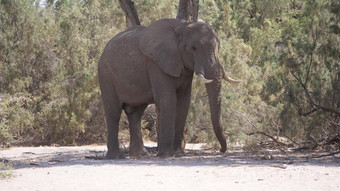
x=76, y=168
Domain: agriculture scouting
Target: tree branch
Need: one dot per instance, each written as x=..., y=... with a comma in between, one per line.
x=267, y=135
x=310, y=99
x=299, y=110
x=130, y=11
x=258, y=131
x=326, y=155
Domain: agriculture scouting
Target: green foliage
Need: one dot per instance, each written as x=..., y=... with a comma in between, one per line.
x=48, y=68
x=6, y=170
x=49, y=52
x=285, y=51
x=281, y=50
x=311, y=59
x=151, y=10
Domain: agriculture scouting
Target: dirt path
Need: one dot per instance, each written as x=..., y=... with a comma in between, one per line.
x=69, y=168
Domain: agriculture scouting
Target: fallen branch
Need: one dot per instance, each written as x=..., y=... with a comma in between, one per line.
x=260, y=132
x=326, y=155
x=294, y=142
x=269, y=136
x=279, y=166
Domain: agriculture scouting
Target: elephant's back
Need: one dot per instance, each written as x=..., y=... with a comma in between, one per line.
x=124, y=64
x=122, y=49
x=128, y=34
x=122, y=52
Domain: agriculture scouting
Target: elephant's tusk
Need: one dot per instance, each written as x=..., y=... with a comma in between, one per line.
x=203, y=79
x=229, y=79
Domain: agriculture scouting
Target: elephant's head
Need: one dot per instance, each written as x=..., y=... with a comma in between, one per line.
x=175, y=45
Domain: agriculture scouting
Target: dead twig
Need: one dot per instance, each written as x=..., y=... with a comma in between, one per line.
x=269, y=136
x=261, y=132
x=279, y=166
x=315, y=106
x=326, y=155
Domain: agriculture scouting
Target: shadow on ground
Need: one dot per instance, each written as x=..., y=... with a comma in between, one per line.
x=45, y=157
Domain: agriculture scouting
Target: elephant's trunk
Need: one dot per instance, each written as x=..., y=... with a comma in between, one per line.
x=214, y=95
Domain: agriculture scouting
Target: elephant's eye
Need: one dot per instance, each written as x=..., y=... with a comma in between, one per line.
x=193, y=48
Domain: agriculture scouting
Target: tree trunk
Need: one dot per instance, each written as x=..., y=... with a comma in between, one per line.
x=131, y=15
x=188, y=10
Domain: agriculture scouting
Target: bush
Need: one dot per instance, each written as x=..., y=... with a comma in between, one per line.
x=286, y=53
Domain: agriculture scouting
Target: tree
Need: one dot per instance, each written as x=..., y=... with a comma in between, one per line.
x=311, y=59
x=188, y=10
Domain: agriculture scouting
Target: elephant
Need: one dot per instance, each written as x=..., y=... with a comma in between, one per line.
x=155, y=64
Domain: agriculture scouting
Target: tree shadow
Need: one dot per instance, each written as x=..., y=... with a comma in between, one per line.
x=192, y=158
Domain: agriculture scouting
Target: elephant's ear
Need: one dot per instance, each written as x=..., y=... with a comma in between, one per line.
x=159, y=42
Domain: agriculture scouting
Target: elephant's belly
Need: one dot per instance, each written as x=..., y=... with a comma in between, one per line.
x=133, y=95
x=133, y=88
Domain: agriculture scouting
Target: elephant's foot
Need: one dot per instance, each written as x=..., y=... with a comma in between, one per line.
x=114, y=155
x=179, y=152
x=165, y=154
x=138, y=153
x=223, y=148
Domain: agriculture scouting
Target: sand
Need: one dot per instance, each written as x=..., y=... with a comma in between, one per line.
x=76, y=168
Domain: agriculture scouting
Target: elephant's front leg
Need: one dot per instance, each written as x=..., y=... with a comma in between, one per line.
x=165, y=97
x=167, y=109
x=183, y=102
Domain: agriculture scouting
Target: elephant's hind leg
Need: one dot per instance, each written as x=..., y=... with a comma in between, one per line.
x=112, y=113
x=113, y=110
x=134, y=115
